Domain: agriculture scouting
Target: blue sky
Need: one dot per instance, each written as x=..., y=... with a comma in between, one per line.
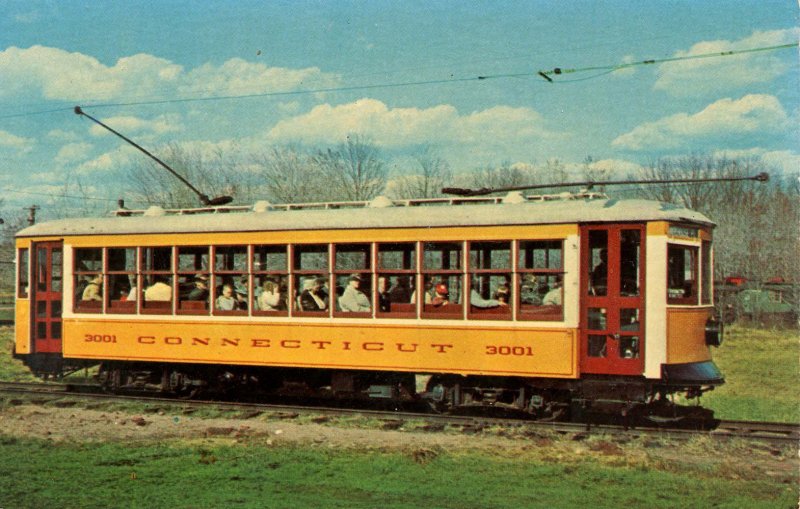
x=402, y=73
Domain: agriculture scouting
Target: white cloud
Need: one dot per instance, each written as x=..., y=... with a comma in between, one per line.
x=403, y=127
x=727, y=118
x=785, y=161
x=73, y=152
x=16, y=143
x=704, y=75
x=130, y=124
x=56, y=74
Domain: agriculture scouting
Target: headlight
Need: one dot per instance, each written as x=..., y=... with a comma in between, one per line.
x=713, y=332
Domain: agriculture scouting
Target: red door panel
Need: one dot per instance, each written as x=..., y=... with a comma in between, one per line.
x=47, y=288
x=612, y=299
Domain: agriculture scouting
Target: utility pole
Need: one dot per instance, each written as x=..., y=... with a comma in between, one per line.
x=32, y=214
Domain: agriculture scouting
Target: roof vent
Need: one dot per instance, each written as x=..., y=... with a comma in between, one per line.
x=261, y=206
x=155, y=211
x=514, y=197
x=380, y=202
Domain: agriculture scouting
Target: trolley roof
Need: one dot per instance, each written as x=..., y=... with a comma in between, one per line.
x=379, y=213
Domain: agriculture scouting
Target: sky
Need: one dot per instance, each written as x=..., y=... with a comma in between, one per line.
x=460, y=77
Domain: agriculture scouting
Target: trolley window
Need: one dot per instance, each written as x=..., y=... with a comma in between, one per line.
x=705, y=269
x=157, y=280
x=122, y=280
x=88, y=278
x=681, y=274
x=540, y=265
x=353, y=279
x=396, y=280
x=192, y=279
x=490, y=280
x=270, y=280
x=443, y=280
x=23, y=273
x=231, y=289
x=310, y=267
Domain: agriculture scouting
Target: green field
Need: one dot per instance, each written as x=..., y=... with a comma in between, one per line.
x=547, y=471
x=40, y=474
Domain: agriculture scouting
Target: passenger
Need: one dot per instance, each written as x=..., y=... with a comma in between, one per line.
x=93, y=290
x=599, y=275
x=384, y=297
x=133, y=294
x=226, y=301
x=159, y=291
x=312, y=298
x=400, y=291
x=270, y=297
x=200, y=290
x=477, y=300
x=554, y=296
x=353, y=299
x=442, y=297
x=502, y=294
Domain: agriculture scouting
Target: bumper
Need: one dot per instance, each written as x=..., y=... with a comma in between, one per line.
x=692, y=373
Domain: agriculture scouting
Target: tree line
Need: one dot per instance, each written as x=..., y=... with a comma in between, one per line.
x=757, y=223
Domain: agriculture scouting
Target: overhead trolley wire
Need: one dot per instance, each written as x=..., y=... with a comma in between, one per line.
x=547, y=75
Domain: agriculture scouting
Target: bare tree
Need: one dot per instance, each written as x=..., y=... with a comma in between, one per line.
x=212, y=172
x=290, y=175
x=433, y=173
x=354, y=168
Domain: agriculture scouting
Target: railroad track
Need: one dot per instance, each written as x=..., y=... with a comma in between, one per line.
x=774, y=433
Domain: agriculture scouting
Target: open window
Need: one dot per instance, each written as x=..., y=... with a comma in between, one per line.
x=88, y=271
x=122, y=291
x=353, y=279
x=311, y=272
x=443, y=280
x=157, y=291
x=541, y=270
x=490, y=280
x=397, y=264
x=270, y=280
x=193, y=283
x=231, y=289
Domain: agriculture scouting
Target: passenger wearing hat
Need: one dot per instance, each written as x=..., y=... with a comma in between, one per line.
x=93, y=290
x=353, y=299
x=442, y=297
x=200, y=290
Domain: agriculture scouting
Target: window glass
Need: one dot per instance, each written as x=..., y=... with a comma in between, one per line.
x=396, y=280
x=193, y=279
x=157, y=280
x=122, y=280
x=88, y=280
x=231, y=288
x=271, y=293
x=540, y=281
x=353, y=278
x=629, y=271
x=23, y=273
x=681, y=274
x=490, y=280
x=311, y=278
x=443, y=282
x=598, y=262
x=706, y=273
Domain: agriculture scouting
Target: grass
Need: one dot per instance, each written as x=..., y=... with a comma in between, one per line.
x=761, y=371
x=210, y=474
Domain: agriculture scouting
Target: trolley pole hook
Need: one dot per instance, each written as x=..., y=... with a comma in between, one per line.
x=204, y=199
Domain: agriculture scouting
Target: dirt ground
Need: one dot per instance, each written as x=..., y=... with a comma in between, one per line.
x=735, y=459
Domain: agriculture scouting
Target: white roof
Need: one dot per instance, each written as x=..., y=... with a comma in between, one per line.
x=430, y=216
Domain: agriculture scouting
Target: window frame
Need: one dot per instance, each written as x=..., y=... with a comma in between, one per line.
x=282, y=275
x=78, y=304
x=118, y=306
x=451, y=311
x=534, y=312
x=296, y=273
x=694, y=298
x=408, y=309
x=497, y=312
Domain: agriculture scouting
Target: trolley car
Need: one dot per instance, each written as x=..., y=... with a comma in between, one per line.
x=544, y=304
